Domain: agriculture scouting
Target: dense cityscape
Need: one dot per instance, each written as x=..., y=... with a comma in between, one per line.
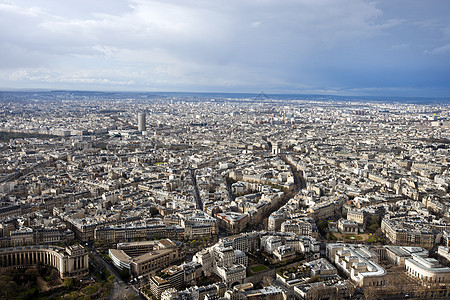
x=185, y=196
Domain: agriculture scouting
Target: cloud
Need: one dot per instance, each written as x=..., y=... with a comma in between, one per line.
x=255, y=24
x=177, y=26
x=438, y=50
x=181, y=44
x=66, y=76
x=446, y=31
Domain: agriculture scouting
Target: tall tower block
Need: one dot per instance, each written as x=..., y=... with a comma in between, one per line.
x=141, y=121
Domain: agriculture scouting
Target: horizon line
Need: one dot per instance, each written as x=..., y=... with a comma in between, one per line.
x=49, y=90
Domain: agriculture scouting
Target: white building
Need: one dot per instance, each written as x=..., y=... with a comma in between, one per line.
x=358, y=262
x=427, y=269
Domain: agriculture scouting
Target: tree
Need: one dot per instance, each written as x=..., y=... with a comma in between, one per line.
x=32, y=293
x=373, y=223
x=350, y=288
x=154, y=211
x=370, y=293
x=54, y=274
x=32, y=274
x=125, y=274
x=68, y=283
x=7, y=287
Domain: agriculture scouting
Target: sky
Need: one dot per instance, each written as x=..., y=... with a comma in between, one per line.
x=342, y=47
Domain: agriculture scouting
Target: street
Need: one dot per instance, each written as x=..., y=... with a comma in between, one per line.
x=121, y=289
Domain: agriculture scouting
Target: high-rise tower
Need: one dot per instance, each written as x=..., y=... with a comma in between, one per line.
x=141, y=121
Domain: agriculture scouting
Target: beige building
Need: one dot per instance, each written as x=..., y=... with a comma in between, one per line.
x=397, y=234
x=300, y=227
x=322, y=210
x=357, y=216
x=206, y=259
x=397, y=255
x=231, y=275
x=444, y=252
x=321, y=290
x=69, y=261
x=195, y=230
x=158, y=285
x=139, y=248
x=22, y=236
x=348, y=227
x=275, y=221
x=153, y=261
x=232, y=222
x=123, y=233
x=143, y=258
x=284, y=253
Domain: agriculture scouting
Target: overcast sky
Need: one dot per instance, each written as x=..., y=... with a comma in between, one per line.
x=348, y=47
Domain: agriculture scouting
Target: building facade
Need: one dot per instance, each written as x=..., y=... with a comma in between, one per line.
x=70, y=261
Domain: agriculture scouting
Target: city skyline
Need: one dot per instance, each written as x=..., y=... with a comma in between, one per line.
x=181, y=195
x=354, y=47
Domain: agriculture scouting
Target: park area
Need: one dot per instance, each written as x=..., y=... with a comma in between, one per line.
x=255, y=269
x=363, y=237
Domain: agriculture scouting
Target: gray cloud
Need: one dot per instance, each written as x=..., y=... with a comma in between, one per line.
x=205, y=45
